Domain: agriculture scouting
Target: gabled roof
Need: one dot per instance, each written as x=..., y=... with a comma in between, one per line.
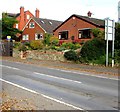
x=13, y=14
x=47, y=24
x=17, y=14
x=97, y=22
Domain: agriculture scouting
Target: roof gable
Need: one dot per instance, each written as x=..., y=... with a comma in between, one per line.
x=94, y=21
x=35, y=22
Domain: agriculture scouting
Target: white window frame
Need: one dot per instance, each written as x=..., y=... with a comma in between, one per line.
x=25, y=37
x=36, y=36
x=17, y=26
x=30, y=25
x=28, y=16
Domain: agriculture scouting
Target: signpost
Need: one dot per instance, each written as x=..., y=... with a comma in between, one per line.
x=109, y=36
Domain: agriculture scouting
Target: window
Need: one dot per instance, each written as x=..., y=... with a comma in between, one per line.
x=38, y=36
x=28, y=16
x=25, y=37
x=17, y=26
x=32, y=25
x=42, y=21
x=85, y=33
x=63, y=35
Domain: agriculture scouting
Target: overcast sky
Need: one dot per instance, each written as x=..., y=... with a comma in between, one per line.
x=62, y=9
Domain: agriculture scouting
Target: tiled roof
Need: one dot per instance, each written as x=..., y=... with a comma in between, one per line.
x=94, y=21
x=13, y=14
x=47, y=24
x=98, y=22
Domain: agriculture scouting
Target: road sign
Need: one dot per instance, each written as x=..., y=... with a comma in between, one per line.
x=109, y=36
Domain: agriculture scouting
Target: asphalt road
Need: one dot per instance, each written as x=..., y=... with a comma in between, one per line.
x=78, y=89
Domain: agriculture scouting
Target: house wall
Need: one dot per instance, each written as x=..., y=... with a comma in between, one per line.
x=73, y=25
x=23, y=19
x=32, y=31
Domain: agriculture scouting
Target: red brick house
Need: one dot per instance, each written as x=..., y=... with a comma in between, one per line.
x=37, y=27
x=23, y=17
x=77, y=28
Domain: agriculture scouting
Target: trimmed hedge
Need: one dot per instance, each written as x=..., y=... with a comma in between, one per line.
x=71, y=55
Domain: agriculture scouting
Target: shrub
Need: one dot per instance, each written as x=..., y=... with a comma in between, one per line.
x=98, y=33
x=16, y=44
x=71, y=45
x=117, y=56
x=76, y=46
x=46, y=40
x=36, y=44
x=92, y=50
x=71, y=55
x=60, y=48
x=54, y=40
x=22, y=47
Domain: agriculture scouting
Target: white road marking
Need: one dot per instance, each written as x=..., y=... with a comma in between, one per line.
x=45, y=96
x=10, y=67
x=71, y=72
x=57, y=77
x=84, y=74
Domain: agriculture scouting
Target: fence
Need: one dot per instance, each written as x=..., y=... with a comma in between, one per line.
x=6, y=48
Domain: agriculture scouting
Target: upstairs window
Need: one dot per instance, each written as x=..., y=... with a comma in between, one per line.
x=63, y=35
x=84, y=33
x=28, y=16
x=38, y=36
x=32, y=25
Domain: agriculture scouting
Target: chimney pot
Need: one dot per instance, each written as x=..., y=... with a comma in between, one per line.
x=89, y=14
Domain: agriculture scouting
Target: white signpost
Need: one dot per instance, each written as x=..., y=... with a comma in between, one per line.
x=109, y=36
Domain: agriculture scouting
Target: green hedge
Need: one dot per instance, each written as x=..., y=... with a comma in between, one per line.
x=92, y=50
x=71, y=55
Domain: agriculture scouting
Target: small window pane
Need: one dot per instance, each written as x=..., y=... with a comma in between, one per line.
x=32, y=25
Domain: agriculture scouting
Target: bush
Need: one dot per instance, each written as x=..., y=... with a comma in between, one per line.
x=54, y=40
x=70, y=46
x=22, y=47
x=117, y=56
x=71, y=55
x=16, y=44
x=92, y=50
x=36, y=44
x=46, y=40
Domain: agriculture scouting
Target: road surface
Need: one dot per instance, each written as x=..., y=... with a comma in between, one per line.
x=77, y=89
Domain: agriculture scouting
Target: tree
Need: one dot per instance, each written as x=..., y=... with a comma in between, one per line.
x=47, y=38
x=7, y=27
x=97, y=33
x=117, y=43
x=117, y=36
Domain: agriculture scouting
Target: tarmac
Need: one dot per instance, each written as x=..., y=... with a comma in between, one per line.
x=111, y=72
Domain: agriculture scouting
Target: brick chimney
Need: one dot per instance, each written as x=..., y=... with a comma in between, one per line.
x=89, y=14
x=37, y=13
x=21, y=23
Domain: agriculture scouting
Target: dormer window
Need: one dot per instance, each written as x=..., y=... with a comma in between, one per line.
x=42, y=21
x=50, y=22
x=32, y=25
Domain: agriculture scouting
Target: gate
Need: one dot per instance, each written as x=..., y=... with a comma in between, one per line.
x=6, y=48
